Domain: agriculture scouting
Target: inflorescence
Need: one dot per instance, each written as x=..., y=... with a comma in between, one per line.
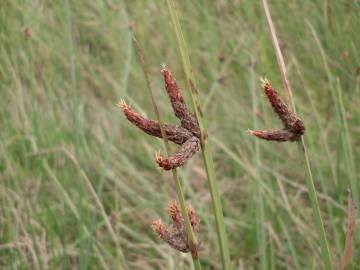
x=293, y=126
x=175, y=234
x=187, y=134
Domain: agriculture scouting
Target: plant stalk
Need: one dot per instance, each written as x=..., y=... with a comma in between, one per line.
x=302, y=146
x=205, y=148
x=190, y=233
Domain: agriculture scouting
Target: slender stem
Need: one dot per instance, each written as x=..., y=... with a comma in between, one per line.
x=302, y=146
x=260, y=215
x=190, y=233
x=349, y=150
x=279, y=56
x=206, y=153
x=189, y=229
x=315, y=207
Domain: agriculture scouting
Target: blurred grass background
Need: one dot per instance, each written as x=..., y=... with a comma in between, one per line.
x=78, y=184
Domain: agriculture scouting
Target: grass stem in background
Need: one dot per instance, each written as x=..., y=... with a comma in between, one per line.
x=302, y=146
x=206, y=153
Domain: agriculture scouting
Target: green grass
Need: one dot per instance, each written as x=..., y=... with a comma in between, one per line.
x=78, y=184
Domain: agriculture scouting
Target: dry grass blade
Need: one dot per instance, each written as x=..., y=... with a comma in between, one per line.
x=350, y=229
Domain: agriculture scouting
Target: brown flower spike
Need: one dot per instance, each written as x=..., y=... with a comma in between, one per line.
x=187, y=134
x=175, y=235
x=293, y=126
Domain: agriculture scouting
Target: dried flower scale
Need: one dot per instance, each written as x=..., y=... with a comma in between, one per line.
x=175, y=235
x=187, y=134
x=293, y=126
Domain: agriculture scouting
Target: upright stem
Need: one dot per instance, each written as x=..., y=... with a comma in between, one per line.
x=260, y=214
x=206, y=153
x=302, y=146
x=190, y=233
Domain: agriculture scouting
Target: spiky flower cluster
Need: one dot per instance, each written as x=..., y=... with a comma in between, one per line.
x=175, y=234
x=187, y=134
x=293, y=126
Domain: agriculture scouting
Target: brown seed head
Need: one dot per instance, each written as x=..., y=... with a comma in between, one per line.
x=187, y=150
x=175, y=213
x=280, y=135
x=187, y=135
x=171, y=86
x=279, y=107
x=180, y=108
x=160, y=229
x=293, y=125
x=194, y=219
x=176, y=235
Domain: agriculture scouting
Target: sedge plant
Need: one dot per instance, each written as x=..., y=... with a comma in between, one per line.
x=293, y=130
x=205, y=147
x=183, y=234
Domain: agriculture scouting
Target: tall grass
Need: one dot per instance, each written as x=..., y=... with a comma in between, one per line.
x=49, y=217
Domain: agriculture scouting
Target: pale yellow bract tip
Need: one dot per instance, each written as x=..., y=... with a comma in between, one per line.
x=122, y=104
x=158, y=155
x=251, y=132
x=163, y=68
x=264, y=81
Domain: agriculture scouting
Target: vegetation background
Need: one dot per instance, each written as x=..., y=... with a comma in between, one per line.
x=78, y=184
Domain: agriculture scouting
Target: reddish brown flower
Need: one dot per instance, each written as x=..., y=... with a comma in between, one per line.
x=187, y=134
x=176, y=134
x=194, y=219
x=293, y=126
x=187, y=150
x=175, y=235
x=182, y=112
x=160, y=229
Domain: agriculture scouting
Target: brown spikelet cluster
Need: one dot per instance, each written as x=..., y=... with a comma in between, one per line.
x=293, y=126
x=175, y=234
x=187, y=134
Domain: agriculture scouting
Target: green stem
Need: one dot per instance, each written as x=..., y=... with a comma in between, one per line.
x=190, y=232
x=206, y=153
x=260, y=214
x=315, y=206
x=309, y=177
x=189, y=229
x=348, y=145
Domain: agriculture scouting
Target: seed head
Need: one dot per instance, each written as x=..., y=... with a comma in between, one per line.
x=187, y=134
x=160, y=229
x=175, y=214
x=175, y=235
x=293, y=126
x=194, y=219
x=187, y=150
x=180, y=108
